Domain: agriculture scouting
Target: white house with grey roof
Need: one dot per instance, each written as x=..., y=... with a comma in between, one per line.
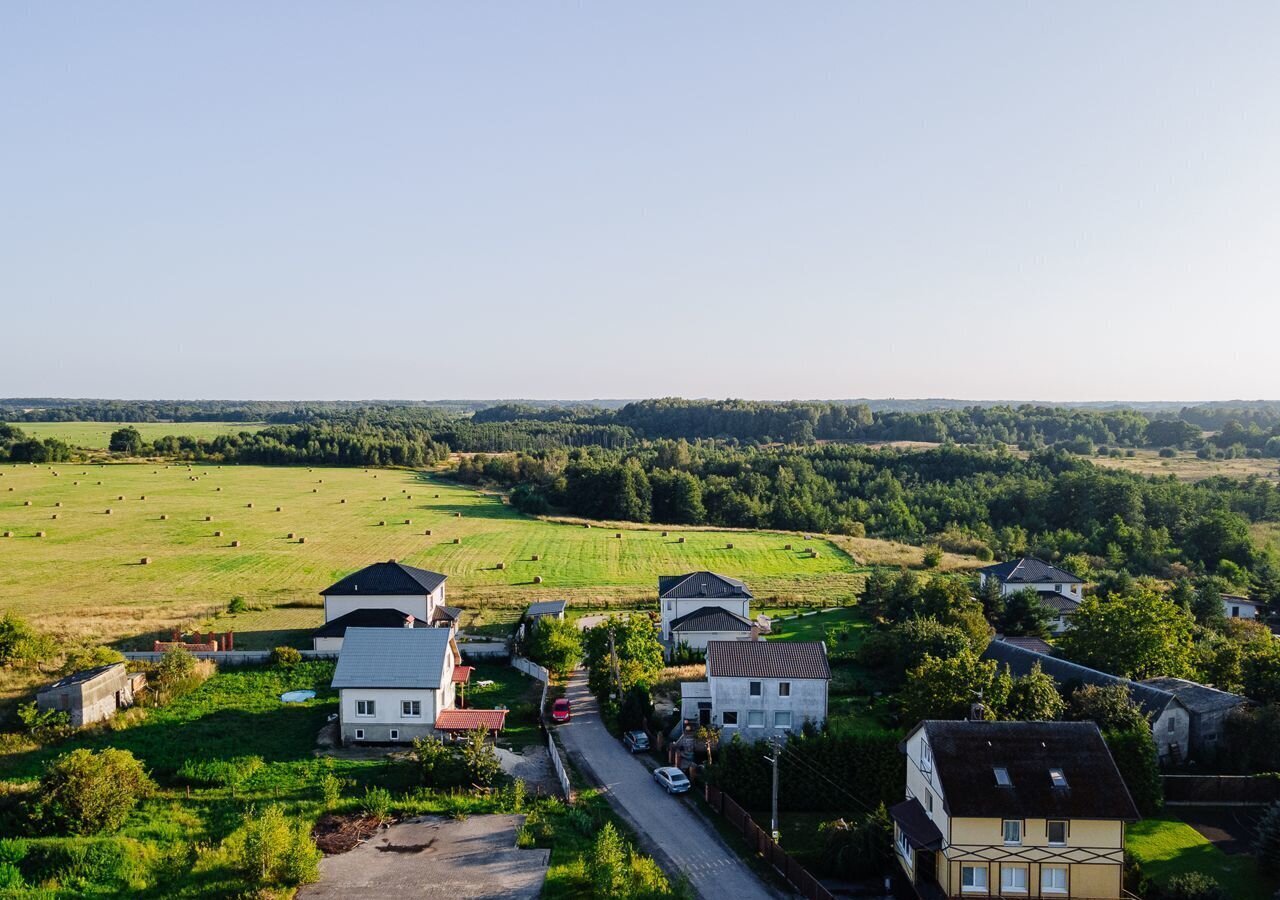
x=394, y=683
x=1236, y=607
x=1058, y=589
x=687, y=603
x=759, y=689
x=383, y=595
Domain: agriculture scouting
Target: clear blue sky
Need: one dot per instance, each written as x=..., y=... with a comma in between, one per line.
x=414, y=200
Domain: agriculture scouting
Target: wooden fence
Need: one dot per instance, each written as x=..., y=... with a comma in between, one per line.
x=759, y=840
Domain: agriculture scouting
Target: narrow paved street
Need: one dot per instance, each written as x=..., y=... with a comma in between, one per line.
x=691, y=845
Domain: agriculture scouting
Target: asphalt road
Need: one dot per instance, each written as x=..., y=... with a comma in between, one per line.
x=689, y=844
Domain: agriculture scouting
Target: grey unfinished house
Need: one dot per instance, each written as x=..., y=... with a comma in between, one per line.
x=93, y=695
x=759, y=689
x=1207, y=706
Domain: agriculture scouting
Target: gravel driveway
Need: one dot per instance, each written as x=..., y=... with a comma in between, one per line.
x=689, y=844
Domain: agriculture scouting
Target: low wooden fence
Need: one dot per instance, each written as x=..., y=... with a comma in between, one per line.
x=231, y=657
x=762, y=843
x=1221, y=790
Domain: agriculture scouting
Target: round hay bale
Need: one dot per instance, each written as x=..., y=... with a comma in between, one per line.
x=143, y=497
x=343, y=500
x=59, y=503
x=208, y=518
x=302, y=540
x=728, y=546
x=384, y=499
x=54, y=516
x=8, y=534
x=786, y=546
x=410, y=497
x=537, y=579
x=664, y=534
x=500, y=566
x=679, y=540
x=248, y=506
x=163, y=516
x=315, y=490
x=217, y=534
x=813, y=554
x=39, y=534
x=217, y=489
x=26, y=502
x=586, y=524
x=145, y=561
x=535, y=557
x=279, y=509
x=457, y=515
x=121, y=497
x=75, y=484
x=319, y=481
x=457, y=540
x=375, y=476
x=382, y=521
x=437, y=496
x=427, y=532
x=404, y=490
x=408, y=521
x=291, y=535
x=235, y=543
x=108, y=511
x=99, y=484
x=618, y=535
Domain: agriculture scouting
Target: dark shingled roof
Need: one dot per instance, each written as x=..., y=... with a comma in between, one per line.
x=1034, y=644
x=444, y=613
x=361, y=618
x=700, y=584
x=767, y=659
x=1059, y=603
x=966, y=754
x=85, y=675
x=711, y=618
x=1198, y=698
x=915, y=823
x=1020, y=660
x=1029, y=570
x=388, y=577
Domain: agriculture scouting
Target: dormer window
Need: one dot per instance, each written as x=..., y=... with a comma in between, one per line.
x=1002, y=776
x=1058, y=778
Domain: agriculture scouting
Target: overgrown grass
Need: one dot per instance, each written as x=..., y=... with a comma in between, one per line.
x=1166, y=847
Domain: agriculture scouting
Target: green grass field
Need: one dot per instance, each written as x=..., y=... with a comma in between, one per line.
x=96, y=435
x=1168, y=847
x=85, y=578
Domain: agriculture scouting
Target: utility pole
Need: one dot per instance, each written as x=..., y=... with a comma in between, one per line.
x=773, y=820
x=613, y=666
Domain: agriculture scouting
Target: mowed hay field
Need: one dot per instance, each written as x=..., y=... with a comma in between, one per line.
x=97, y=435
x=85, y=577
x=1186, y=466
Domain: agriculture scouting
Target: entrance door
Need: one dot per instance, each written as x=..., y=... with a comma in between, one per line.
x=704, y=714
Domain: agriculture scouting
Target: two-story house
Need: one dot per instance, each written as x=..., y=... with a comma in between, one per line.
x=1058, y=589
x=397, y=684
x=700, y=607
x=759, y=689
x=1012, y=809
x=383, y=595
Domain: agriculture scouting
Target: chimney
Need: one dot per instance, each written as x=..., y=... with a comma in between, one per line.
x=408, y=621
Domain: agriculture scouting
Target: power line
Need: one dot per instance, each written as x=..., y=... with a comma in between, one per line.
x=813, y=770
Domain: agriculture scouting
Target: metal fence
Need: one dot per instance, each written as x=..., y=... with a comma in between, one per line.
x=759, y=840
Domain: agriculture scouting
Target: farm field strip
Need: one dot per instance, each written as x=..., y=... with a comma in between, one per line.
x=97, y=435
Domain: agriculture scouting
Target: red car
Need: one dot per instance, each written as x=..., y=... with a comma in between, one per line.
x=560, y=711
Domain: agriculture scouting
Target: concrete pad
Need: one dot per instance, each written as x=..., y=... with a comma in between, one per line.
x=437, y=857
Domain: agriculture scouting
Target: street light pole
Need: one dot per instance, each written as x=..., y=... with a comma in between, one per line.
x=773, y=820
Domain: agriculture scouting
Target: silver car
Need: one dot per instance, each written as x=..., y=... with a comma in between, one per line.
x=671, y=780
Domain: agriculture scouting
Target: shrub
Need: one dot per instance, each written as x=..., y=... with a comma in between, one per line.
x=237, y=605
x=45, y=725
x=285, y=657
x=556, y=644
x=608, y=864
x=330, y=790
x=20, y=643
x=220, y=772
x=271, y=849
x=376, y=803
x=480, y=759
x=436, y=761
x=932, y=557
x=1266, y=840
x=82, y=658
x=1194, y=886
x=859, y=849
x=85, y=792
x=1168, y=453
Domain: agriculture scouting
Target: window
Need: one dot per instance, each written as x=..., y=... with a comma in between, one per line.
x=1235, y=612
x=1057, y=588
x=904, y=848
x=1057, y=778
x=926, y=761
x=411, y=709
x=729, y=718
x=670, y=605
x=782, y=720
x=1013, y=878
x=1057, y=833
x=1002, y=776
x=784, y=688
x=1169, y=727
x=1053, y=879
x=395, y=734
x=928, y=802
x=359, y=734
x=1013, y=831
x=366, y=707
x=755, y=689
x=755, y=718
x=973, y=878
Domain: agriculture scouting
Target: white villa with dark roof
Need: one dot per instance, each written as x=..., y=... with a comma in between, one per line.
x=759, y=689
x=701, y=607
x=383, y=595
x=397, y=684
x=1058, y=589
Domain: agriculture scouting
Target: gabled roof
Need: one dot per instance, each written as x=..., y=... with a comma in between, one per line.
x=444, y=613
x=393, y=658
x=470, y=719
x=1059, y=603
x=1244, y=601
x=388, y=577
x=545, y=608
x=1199, y=698
x=1029, y=570
x=966, y=755
x=767, y=659
x=701, y=584
x=1020, y=660
x=84, y=676
x=361, y=618
x=711, y=618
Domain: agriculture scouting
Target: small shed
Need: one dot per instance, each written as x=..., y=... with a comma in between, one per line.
x=546, y=609
x=93, y=695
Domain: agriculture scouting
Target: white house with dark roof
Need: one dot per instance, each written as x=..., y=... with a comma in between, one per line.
x=397, y=684
x=680, y=595
x=1234, y=607
x=711, y=623
x=391, y=587
x=759, y=689
x=1058, y=589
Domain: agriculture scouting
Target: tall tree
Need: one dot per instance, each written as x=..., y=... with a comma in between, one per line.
x=1139, y=636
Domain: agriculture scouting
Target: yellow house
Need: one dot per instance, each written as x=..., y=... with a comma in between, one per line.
x=1012, y=809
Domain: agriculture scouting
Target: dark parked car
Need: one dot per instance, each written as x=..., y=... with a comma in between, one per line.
x=635, y=741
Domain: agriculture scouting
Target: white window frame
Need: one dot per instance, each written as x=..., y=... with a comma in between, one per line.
x=1006, y=882
x=755, y=688
x=395, y=734
x=753, y=714
x=1066, y=832
x=724, y=718
x=780, y=716
x=975, y=884
x=410, y=714
x=904, y=849
x=359, y=734
x=370, y=708
x=1045, y=887
x=1004, y=832
x=784, y=688
x=926, y=761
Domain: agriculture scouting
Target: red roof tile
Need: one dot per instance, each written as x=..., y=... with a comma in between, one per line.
x=471, y=719
x=462, y=674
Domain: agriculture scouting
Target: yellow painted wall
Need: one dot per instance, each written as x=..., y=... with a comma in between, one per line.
x=1081, y=832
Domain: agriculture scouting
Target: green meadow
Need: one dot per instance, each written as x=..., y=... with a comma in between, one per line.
x=96, y=435
x=85, y=577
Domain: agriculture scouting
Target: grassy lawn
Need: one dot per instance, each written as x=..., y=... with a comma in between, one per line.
x=90, y=581
x=1168, y=847
x=97, y=435
x=814, y=627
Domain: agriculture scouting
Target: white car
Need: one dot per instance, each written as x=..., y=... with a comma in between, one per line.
x=671, y=780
